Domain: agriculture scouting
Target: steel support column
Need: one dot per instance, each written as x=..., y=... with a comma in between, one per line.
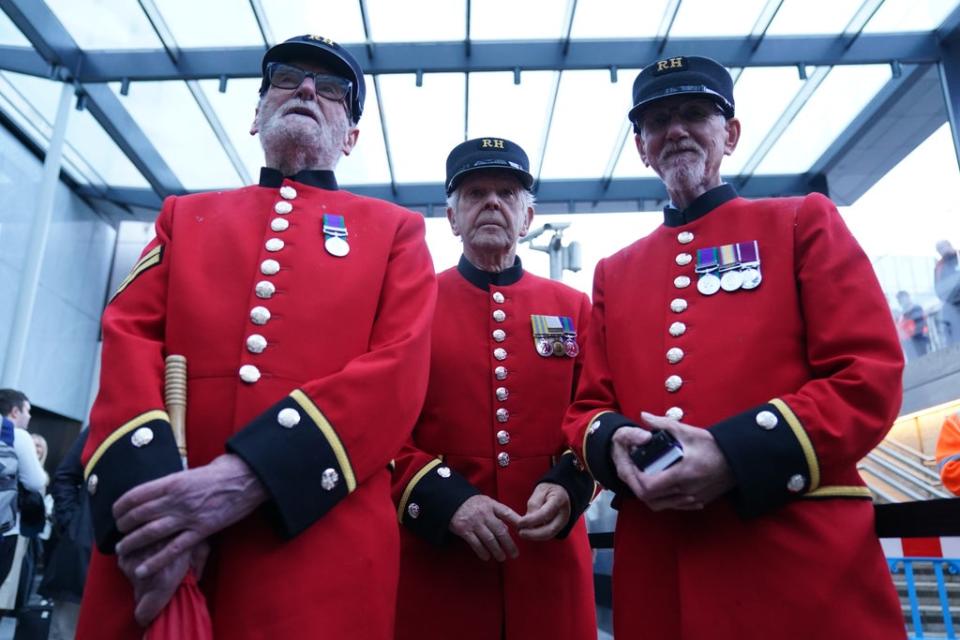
x=949, y=68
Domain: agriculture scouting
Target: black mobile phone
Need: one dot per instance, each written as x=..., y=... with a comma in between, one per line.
x=660, y=452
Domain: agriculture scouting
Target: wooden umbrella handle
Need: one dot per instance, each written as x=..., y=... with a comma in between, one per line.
x=175, y=397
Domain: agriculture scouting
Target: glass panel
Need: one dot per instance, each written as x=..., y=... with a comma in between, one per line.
x=339, y=20
x=512, y=20
x=811, y=17
x=90, y=155
x=367, y=164
x=417, y=20
x=587, y=123
x=9, y=34
x=899, y=222
x=842, y=95
x=103, y=160
x=910, y=15
x=423, y=123
x=712, y=18
x=202, y=24
x=106, y=24
x=762, y=95
x=172, y=121
x=633, y=19
x=235, y=109
x=517, y=112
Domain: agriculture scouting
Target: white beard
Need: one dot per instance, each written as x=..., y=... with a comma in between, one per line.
x=295, y=143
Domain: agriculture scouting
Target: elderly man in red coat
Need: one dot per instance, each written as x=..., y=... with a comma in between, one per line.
x=304, y=314
x=755, y=333
x=488, y=446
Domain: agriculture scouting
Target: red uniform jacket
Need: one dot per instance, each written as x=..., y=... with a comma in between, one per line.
x=311, y=367
x=491, y=425
x=797, y=379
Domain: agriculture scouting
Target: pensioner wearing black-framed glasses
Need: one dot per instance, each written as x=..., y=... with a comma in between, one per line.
x=288, y=76
x=657, y=120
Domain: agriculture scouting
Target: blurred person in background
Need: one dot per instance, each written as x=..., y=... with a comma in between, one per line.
x=948, y=453
x=15, y=408
x=66, y=567
x=912, y=323
x=946, y=282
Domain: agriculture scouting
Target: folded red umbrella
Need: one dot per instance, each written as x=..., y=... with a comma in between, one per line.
x=185, y=617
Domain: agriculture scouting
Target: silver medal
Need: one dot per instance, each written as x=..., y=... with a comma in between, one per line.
x=751, y=278
x=731, y=281
x=708, y=284
x=336, y=246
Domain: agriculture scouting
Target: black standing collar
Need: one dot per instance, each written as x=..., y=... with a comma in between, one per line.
x=321, y=178
x=483, y=279
x=707, y=202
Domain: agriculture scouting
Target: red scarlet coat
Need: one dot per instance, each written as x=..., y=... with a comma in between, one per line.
x=460, y=448
x=339, y=380
x=797, y=379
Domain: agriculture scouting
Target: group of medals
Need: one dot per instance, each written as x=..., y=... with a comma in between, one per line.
x=728, y=267
x=555, y=336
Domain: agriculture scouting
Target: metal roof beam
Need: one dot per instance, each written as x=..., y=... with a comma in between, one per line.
x=24, y=60
x=772, y=51
x=52, y=41
x=901, y=116
x=579, y=196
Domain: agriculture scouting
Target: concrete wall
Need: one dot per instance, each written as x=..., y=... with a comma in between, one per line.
x=65, y=327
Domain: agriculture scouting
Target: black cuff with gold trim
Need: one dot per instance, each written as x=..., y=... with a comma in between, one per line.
x=299, y=458
x=596, y=449
x=431, y=498
x=766, y=457
x=140, y=451
x=569, y=474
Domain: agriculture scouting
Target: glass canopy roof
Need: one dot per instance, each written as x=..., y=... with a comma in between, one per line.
x=571, y=120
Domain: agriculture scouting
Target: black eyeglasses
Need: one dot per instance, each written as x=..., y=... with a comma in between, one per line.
x=657, y=120
x=287, y=76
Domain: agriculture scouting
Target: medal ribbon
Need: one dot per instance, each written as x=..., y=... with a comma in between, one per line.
x=728, y=257
x=334, y=226
x=749, y=253
x=568, y=328
x=706, y=260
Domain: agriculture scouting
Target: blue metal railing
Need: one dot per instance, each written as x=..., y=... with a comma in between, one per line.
x=906, y=566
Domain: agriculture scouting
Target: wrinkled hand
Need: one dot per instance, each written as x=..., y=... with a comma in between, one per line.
x=548, y=511
x=482, y=522
x=698, y=479
x=151, y=594
x=167, y=518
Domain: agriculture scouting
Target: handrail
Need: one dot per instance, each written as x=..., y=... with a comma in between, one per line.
x=883, y=494
x=894, y=482
x=906, y=565
x=875, y=459
x=933, y=476
x=908, y=449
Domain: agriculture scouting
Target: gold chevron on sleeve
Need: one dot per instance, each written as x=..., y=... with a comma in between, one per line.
x=150, y=259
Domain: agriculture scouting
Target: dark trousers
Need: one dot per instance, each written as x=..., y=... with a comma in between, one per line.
x=8, y=548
